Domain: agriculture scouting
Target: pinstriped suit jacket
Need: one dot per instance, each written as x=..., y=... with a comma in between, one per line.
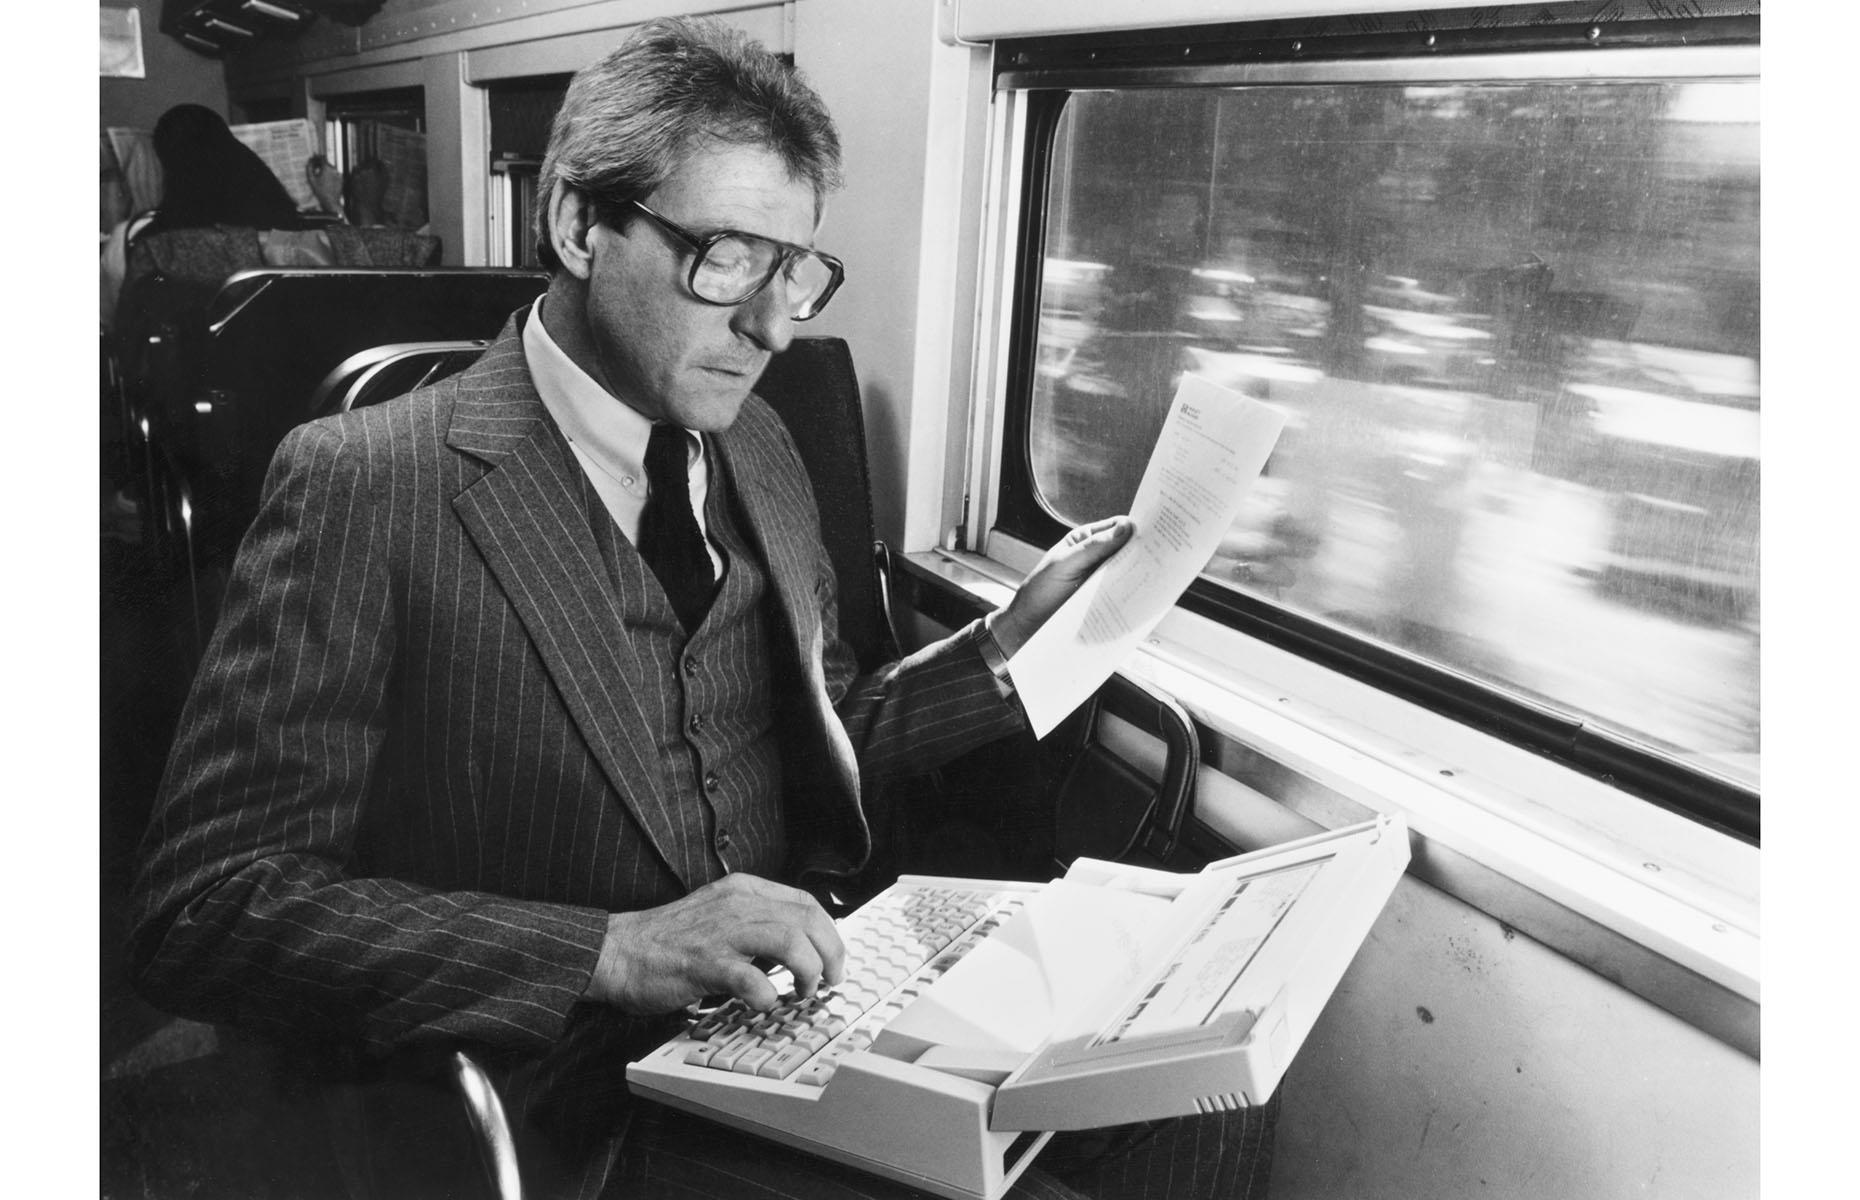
x=410, y=781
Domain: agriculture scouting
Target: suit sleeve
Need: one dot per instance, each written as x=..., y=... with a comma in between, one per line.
x=248, y=906
x=915, y=714
x=918, y=713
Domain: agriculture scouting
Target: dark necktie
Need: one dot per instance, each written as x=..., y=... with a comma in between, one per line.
x=669, y=539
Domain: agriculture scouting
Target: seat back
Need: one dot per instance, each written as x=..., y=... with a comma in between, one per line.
x=245, y=373
x=383, y=372
x=273, y=336
x=813, y=388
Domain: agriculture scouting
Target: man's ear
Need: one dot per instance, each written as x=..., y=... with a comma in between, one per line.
x=571, y=221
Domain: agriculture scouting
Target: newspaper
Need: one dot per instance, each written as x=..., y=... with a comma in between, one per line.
x=285, y=147
x=403, y=153
x=133, y=151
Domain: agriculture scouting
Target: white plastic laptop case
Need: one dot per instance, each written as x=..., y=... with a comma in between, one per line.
x=978, y=1016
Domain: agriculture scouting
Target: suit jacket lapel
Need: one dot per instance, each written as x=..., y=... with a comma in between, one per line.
x=528, y=519
x=790, y=559
x=772, y=530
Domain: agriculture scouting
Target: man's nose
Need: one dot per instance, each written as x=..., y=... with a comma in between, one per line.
x=765, y=318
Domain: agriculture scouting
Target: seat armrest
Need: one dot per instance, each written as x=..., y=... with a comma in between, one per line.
x=496, y=1147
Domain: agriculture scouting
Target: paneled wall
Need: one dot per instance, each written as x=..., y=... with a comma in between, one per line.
x=174, y=75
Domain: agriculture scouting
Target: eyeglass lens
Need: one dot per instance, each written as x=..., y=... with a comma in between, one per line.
x=734, y=268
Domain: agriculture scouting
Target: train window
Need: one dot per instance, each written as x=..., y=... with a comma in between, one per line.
x=1511, y=308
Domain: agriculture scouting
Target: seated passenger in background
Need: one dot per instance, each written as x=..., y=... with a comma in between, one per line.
x=356, y=199
x=209, y=180
x=210, y=177
x=527, y=712
x=113, y=218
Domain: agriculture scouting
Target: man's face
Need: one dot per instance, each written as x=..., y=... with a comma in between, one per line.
x=661, y=349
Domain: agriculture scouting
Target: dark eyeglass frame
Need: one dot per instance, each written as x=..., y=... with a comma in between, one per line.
x=700, y=245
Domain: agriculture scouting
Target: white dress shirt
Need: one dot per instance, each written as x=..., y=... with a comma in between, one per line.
x=608, y=436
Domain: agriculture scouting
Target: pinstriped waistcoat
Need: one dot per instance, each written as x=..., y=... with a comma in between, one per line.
x=711, y=705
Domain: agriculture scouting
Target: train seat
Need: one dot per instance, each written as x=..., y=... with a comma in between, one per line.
x=813, y=387
x=219, y=385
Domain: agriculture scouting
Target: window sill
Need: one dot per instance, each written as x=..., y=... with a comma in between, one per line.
x=1662, y=905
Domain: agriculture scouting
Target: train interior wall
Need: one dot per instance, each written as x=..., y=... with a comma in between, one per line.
x=1462, y=1059
x=172, y=74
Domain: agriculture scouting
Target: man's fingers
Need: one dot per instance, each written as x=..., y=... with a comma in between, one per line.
x=1095, y=543
x=1056, y=576
x=821, y=954
x=740, y=978
x=1103, y=537
x=803, y=939
x=802, y=961
x=761, y=919
x=823, y=938
x=706, y=943
x=1104, y=525
x=832, y=960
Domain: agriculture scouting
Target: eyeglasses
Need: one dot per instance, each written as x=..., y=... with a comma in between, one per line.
x=730, y=266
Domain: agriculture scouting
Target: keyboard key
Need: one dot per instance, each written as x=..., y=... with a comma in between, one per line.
x=784, y=1062
x=751, y=1060
x=725, y=1057
x=815, y=1074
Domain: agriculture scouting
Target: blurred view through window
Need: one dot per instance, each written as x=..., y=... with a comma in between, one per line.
x=1515, y=328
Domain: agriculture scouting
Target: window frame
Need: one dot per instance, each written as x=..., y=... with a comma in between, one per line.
x=1032, y=82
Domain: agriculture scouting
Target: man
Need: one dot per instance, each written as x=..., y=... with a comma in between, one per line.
x=498, y=743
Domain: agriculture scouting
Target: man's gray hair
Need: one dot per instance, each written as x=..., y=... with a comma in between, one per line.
x=630, y=120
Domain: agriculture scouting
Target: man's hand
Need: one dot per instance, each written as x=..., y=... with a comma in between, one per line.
x=661, y=959
x=325, y=183
x=1055, y=577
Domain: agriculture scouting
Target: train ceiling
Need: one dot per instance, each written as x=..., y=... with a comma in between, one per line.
x=223, y=27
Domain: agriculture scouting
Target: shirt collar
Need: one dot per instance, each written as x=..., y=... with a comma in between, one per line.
x=608, y=430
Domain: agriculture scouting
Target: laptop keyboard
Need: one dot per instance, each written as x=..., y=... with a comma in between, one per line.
x=897, y=944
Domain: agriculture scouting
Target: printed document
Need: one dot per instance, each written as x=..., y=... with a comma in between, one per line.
x=1213, y=446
